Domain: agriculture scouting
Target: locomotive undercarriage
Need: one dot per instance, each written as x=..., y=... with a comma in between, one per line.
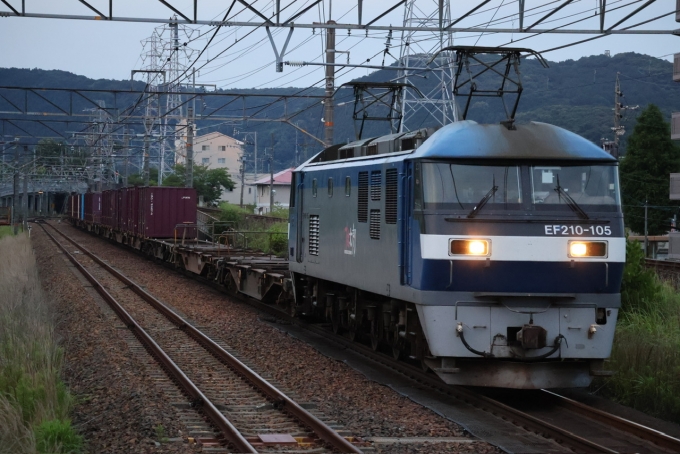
x=384, y=323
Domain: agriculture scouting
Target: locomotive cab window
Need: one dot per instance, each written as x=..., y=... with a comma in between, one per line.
x=575, y=187
x=348, y=186
x=467, y=187
x=314, y=187
x=330, y=187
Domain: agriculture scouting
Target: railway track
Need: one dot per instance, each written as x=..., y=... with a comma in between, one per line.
x=572, y=426
x=248, y=413
x=663, y=265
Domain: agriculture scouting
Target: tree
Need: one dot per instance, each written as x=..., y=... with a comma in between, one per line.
x=208, y=182
x=137, y=180
x=650, y=158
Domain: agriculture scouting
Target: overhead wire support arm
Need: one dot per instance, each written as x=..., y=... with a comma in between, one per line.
x=279, y=57
x=385, y=13
x=640, y=8
x=12, y=8
x=466, y=14
x=295, y=16
x=548, y=15
x=176, y=11
x=101, y=15
x=262, y=16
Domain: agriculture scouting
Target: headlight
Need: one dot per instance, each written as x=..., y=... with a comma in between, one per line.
x=469, y=247
x=587, y=249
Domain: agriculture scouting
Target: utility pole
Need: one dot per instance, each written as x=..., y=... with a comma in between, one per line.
x=617, y=125
x=24, y=203
x=243, y=175
x=145, y=166
x=646, y=239
x=189, y=183
x=126, y=145
x=271, y=177
x=15, y=195
x=245, y=137
x=330, y=85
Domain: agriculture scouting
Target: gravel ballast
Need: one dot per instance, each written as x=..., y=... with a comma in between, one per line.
x=120, y=409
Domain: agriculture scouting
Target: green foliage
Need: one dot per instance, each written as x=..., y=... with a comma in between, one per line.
x=56, y=436
x=138, y=180
x=208, y=182
x=234, y=214
x=646, y=356
x=646, y=351
x=639, y=287
x=31, y=391
x=272, y=240
x=161, y=435
x=279, y=212
x=49, y=152
x=651, y=156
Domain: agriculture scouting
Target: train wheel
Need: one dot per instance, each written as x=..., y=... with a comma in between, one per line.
x=424, y=365
x=396, y=352
x=335, y=322
x=375, y=342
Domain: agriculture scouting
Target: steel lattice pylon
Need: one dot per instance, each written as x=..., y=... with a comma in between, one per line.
x=99, y=140
x=438, y=103
x=165, y=60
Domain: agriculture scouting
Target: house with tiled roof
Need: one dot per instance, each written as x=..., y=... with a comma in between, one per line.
x=281, y=187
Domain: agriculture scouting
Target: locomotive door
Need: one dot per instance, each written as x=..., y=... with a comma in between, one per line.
x=404, y=231
x=299, y=191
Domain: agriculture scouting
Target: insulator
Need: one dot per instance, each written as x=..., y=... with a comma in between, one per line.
x=296, y=63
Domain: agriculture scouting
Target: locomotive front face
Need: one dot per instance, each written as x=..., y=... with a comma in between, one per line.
x=518, y=267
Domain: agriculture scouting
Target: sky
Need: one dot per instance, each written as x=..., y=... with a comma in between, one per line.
x=242, y=57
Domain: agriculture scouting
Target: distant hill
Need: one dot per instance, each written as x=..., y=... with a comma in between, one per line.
x=575, y=94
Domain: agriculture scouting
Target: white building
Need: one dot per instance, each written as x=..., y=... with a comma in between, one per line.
x=281, y=186
x=216, y=150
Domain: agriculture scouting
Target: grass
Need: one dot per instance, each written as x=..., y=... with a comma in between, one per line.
x=272, y=239
x=5, y=230
x=646, y=351
x=34, y=403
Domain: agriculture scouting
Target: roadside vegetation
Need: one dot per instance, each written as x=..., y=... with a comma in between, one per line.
x=266, y=233
x=34, y=402
x=646, y=352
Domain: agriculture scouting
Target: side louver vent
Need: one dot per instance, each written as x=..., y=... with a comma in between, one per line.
x=391, y=196
x=375, y=224
x=376, y=179
x=363, y=197
x=314, y=234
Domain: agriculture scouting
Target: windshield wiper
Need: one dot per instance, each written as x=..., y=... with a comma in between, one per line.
x=570, y=201
x=482, y=202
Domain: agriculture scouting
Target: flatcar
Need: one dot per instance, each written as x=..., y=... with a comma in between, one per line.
x=491, y=255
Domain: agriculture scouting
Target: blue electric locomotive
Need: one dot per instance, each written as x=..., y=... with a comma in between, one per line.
x=492, y=255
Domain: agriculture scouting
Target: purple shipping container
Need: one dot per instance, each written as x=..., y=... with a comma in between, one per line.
x=163, y=211
x=123, y=209
x=110, y=208
x=93, y=207
x=132, y=210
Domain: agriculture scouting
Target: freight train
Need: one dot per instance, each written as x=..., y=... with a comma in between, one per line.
x=491, y=255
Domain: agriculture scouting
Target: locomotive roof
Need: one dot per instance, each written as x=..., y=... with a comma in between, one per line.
x=471, y=140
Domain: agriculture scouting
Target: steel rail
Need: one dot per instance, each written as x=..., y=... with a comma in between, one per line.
x=217, y=418
x=323, y=431
x=645, y=433
x=517, y=417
